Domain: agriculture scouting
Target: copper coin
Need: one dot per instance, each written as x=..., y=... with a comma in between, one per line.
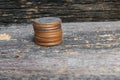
x=48, y=33
x=46, y=25
x=50, y=39
x=46, y=29
x=48, y=44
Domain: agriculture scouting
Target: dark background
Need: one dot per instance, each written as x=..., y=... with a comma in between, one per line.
x=22, y=11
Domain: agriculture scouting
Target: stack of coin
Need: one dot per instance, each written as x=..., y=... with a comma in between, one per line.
x=48, y=31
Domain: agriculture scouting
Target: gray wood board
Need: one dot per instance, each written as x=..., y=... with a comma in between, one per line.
x=88, y=48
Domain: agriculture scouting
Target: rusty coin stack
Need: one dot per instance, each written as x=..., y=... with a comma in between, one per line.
x=48, y=31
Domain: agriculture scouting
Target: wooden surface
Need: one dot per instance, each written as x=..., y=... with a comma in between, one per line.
x=90, y=51
x=69, y=10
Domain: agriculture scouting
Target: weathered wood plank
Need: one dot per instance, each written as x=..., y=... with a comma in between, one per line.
x=67, y=10
x=89, y=50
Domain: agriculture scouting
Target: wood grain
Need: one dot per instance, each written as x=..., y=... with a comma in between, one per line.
x=75, y=11
x=89, y=50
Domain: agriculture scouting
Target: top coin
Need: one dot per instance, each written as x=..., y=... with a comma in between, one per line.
x=47, y=20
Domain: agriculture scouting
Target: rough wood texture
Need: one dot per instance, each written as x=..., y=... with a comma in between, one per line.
x=68, y=10
x=90, y=51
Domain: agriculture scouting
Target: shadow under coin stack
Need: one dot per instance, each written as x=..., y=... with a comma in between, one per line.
x=47, y=31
